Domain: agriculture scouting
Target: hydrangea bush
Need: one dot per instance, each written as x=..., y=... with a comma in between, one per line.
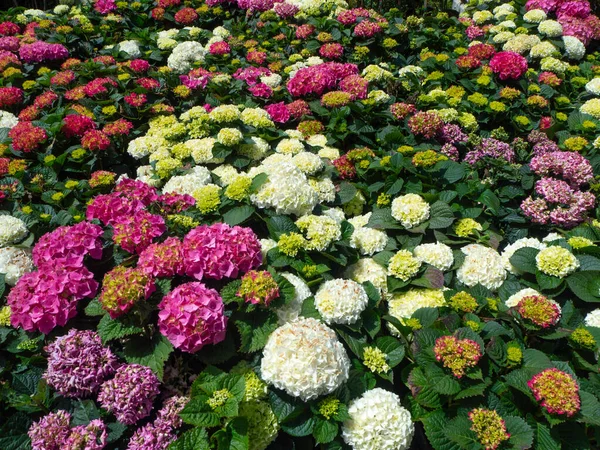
x=263, y=225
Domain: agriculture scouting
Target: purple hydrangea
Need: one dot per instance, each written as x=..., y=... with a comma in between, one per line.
x=87, y=437
x=492, y=148
x=151, y=436
x=130, y=394
x=50, y=432
x=78, y=363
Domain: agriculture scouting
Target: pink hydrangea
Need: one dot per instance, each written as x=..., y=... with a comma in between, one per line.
x=41, y=51
x=508, y=65
x=130, y=394
x=219, y=251
x=191, y=316
x=219, y=48
x=285, y=10
x=546, y=5
x=491, y=148
x=580, y=9
x=577, y=27
x=355, y=85
x=571, y=166
x=67, y=246
x=50, y=432
x=45, y=299
x=134, y=233
x=92, y=436
x=319, y=78
x=556, y=391
x=78, y=363
x=76, y=125
x=331, y=50
x=173, y=203
x=109, y=208
x=367, y=29
x=105, y=6
x=151, y=436
x=163, y=260
x=137, y=190
x=122, y=288
x=261, y=90
x=279, y=112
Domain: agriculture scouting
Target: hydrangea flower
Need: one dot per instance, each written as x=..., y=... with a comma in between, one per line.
x=539, y=310
x=258, y=288
x=438, y=255
x=556, y=261
x=78, y=363
x=51, y=431
x=12, y=230
x=410, y=210
x=163, y=259
x=458, y=355
x=122, y=288
x=191, y=316
x=130, y=394
x=557, y=391
x=14, y=263
x=482, y=265
x=305, y=359
x=341, y=301
x=489, y=427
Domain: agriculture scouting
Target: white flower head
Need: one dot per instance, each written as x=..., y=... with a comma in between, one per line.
x=341, y=301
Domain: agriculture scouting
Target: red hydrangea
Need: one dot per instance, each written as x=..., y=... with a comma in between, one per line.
x=367, y=29
x=482, y=51
x=331, y=50
x=191, y=316
x=508, y=65
x=26, y=137
x=130, y=394
x=139, y=65
x=219, y=48
x=136, y=100
x=9, y=29
x=186, y=16
x=78, y=363
x=77, y=125
x=219, y=251
x=10, y=96
x=95, y=140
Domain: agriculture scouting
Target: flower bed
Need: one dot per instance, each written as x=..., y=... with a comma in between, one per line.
x=273, y=225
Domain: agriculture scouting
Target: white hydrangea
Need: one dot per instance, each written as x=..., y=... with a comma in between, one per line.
x=534, y=16
x=305, y=359
x=265, y=246
x=14, y=263
x=593, y=319
x=503, y=37
x=12, y=230
x=307, y=162
x=272, y=80
x=574, y=48
x=289, y=146
x=415, y=70
x=8, y=120
x=438, y=255
x=202, y=150
x=184, y=55
x=59, y=10
x=514, y=299
x=410, y=210
x=291, y=311
x=378, y=422
x=257, y=150
x=227, y=173
x=521, y=43
x=404, y=305
x=593, y=86
x=146, y=174
x=341, y=301
x=221, y=32
x=187, y=184
x=591, y=107
x=287, y=190
x=368, y=241
x=336, y=214
x=550, y=28
x=360, y=221
x=166, y=43
x=317, y=140
x=552, y=64
x=543, y=50
x=324, y=187
x=330, y=153
x=131, y=48
x=482, y=265
x=508, y=24
x=552, y=237
x=378, y=96
x=510, y=250
x=294, y=134
x=367, y=269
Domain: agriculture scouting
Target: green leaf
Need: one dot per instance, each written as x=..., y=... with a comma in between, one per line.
x=27, y=382
x=284, y=406
x=441, y=215
x=111, y=329
x=547, y=282
x=152, y=353
x=255, y=329
x=472, y=391
x=393, y=348
x=585, y=285
x=196, y=412
x=238, y=215
x=521, y=434
x=382, y=219
x=435, y=425
x=279, y=225
x=355, y=341
x=590, y=408
x=396, y=187
x=229, y=291
x=258, y=181
x=309, y=309
x=325, y=431
x=94, y=309
x=347, y=192
x=13, y=432
x=524, y=259
x=459, y=430
x=542, y=436
x=84, y=412
x=195, y=439
x=444, y=384
x=489, y=199
x=303, y=425
x=454, y=171
x=536, y=360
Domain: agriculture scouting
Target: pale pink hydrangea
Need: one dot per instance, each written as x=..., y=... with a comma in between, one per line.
x=130, y=394
x=219, y=251
x=191, y=316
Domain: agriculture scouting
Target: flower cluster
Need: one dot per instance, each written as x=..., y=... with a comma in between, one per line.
x=458, y=355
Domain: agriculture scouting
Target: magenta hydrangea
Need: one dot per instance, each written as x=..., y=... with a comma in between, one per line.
x=67, y=246
x=151, y=436
x=137, y=190
x=130, y=394
x=320, y=78
x=279, y=112
x=78, y=363
x=45, y=299
x=191, y=316
x=136, y=232
x=41, y=51
x=219, y=251
x=92, y=436
x=164, y=259
x=50, y=432
x=508, y=65
x=109, y=208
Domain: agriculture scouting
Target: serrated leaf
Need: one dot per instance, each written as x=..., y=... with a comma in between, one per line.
x=472, y=391
x=543, y=438
x=255, y=329
x=94, y=309
x=347, y=192
x=111, y=329
x=459, y=430
x=195, y=439
x=382, y=219
x=13, y=432
x=435, y=428
x=284, y=406
x=524, y=259
x=590, y=408
x=444, y=384
x=325, y=431
x=84, y=412
x=238, y=215
x=521, y=434
x=197, y=413
x=441, y=215
x=300, y=426
x=152, y=353
x=393, y=349
x=585, y=285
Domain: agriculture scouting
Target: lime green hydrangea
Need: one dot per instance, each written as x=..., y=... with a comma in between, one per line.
x=5, y=314
x=463, y=301
x=329, y=407
x=403, y=265
x=290, y=243
x=578, y=242
x=375, y=360
x=556, y=261
x=583, y=338
x=219, y=398
x=262, y=424
x=229, y=136
x=239, y=188
x=467, y=227
x=320, y=231
x=207, y=198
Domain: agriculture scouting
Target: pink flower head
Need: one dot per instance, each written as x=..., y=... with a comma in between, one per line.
x=120, y=127
x=41, y=51
x=571, y=166
x=130, y=394
x=67, y=246
x=51, y=431
x=173, y=203
x=261, y=90
x=457, y=354
x=191, y=316
x=482, y=51
x=355, y=85
x=258, y=287
x=540, y=310
x=78, y=364
x=134, y=233
x=298, y=109
x=105, y=6
x=580, y=9
x=139, y=65
x=136, y=100
x=77, y=125
x=508, y=65
x=577, y=27
x=279, y=112
x=402, y=110
x=186, y=16
x=426, y=124
x=45, y=299
x=10, y=44
x=345, y=167
x=9, y=29
x=95, y=140
x=162, y=260
x=122, y=288
x=490, y=148
x=557, y=391
x=367, y=29
x=256, y=57
x=137, y=190
x=92, y=436
x=331, y=50
x=152, y=436
x=474, y=32
x=108, y=208
x=26, y=137
x=219, y=48
x=304, y=31
x=10, y=96
x=285, y=10
x=219, y=251
x=546, y=5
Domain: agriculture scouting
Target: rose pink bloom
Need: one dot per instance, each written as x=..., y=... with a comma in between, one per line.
x=10, y=43
x=139, y=65
x=77, y=125
x=261, y=90
x=163, y=260
x=219, y=48
x=546, y=5
x=285, y=10
x=137, y=190
x=355, y=85
x=134, y=233
x=576, y=27
x=67, y=246
x=580, y=9
x=508, y=65
x=108, y=208
x=51, y=431
x=41, y=51
x=92, y=436
x=279, y=112
x=219, y=251
x=191, y=316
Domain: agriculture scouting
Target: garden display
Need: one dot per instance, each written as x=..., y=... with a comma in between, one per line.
x=299, y=224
